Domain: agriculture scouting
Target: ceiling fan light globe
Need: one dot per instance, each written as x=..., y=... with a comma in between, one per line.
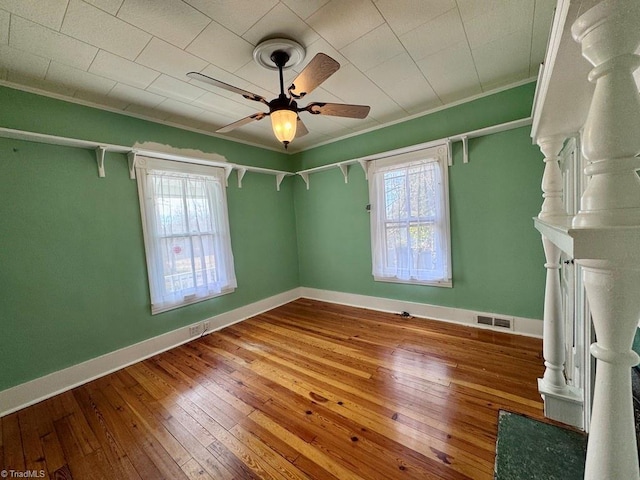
x=284, y=124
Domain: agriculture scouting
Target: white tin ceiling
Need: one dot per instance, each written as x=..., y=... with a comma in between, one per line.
x=401, y=57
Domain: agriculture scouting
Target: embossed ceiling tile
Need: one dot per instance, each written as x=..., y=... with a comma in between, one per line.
x=172, y=20
x=340, y=22
x=79, y=79
x=122, y=70
x=510, y=66
x=25, y=63
x=135, y=95
x=222, y=47
x=34, y=38
x=373, y=48
x=304, y=8
x=439, y=34
x=94, y=98
x=4, y=27
x=499, y=20
x=40, y=84
x=404, y=83
x=173, y=88
x=175, y=107
x=164, y=57
x=236, y=15
x=45, y=12
x=109, y=6
x=451, y=72
x=98, y=28
x=278, y=22
x=405, y=15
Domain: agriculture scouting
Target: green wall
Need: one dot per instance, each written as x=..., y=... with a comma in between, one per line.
x=73, y=282
x=497, y=255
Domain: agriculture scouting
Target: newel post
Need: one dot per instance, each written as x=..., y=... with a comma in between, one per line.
x=609, y=216
x=553, y=380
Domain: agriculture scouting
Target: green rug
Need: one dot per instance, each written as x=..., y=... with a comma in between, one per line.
x=528, y=450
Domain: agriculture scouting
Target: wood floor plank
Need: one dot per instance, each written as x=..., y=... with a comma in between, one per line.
x=142, y=413
x=281, y=465
x=13, y=448
x=2, y=465
x=31, y=445
x=194, y=445
x=117, y=423
x=308, y=390
x=53, y=453
x=112, y=449
x=195, y=471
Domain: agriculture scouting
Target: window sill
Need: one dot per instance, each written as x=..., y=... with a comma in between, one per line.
x=428, y=283
x=173, y=306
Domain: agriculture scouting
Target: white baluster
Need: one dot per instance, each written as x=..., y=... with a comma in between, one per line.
x=609, y=34
x=553, y=329
x=610, y=208
x=552, y=206
x=553, y=380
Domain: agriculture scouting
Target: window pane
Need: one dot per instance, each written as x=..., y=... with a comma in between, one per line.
x=410, y=228
x=199, y=213
x=395, y=194
x=186, y=233
x=204, y=259
x=422, y=191
x=169, y=206
x=176, y=262
x=423, y=246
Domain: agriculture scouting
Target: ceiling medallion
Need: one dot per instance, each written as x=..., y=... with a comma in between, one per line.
x=264, y=50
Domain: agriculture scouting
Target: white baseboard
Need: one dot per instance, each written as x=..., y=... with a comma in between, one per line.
x=34, y=391
x=521, y=326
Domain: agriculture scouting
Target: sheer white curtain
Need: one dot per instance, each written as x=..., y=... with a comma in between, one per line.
x=410, y=218
x=186, y=231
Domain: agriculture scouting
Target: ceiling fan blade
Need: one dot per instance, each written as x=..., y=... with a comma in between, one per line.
x=317, y=71
x=301, y=129
x=212, y=81
x=251, y=118
x=338, y=109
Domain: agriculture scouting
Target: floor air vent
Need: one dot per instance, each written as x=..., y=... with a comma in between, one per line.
x=502, y=323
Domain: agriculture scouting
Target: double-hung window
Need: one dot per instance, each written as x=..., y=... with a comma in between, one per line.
x=186, y=232
x=410, y=237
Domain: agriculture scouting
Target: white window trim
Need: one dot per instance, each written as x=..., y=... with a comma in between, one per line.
x=146, y=163
x=439, y=154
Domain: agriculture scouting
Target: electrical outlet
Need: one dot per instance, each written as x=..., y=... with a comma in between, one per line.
x=195, y=330
x=206, y=326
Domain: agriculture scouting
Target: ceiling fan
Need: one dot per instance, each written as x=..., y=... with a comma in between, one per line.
x=284, y=109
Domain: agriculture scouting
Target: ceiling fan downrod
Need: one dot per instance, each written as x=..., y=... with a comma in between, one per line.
x=280, y=59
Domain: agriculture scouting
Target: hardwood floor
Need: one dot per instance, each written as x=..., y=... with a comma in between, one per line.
x=308, y=390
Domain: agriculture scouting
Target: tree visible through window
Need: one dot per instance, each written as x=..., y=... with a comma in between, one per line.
x=410, y=222
x=186, y=232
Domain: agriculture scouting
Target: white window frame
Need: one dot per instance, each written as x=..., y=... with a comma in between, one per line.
x=161, y=300
x=381, y=271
